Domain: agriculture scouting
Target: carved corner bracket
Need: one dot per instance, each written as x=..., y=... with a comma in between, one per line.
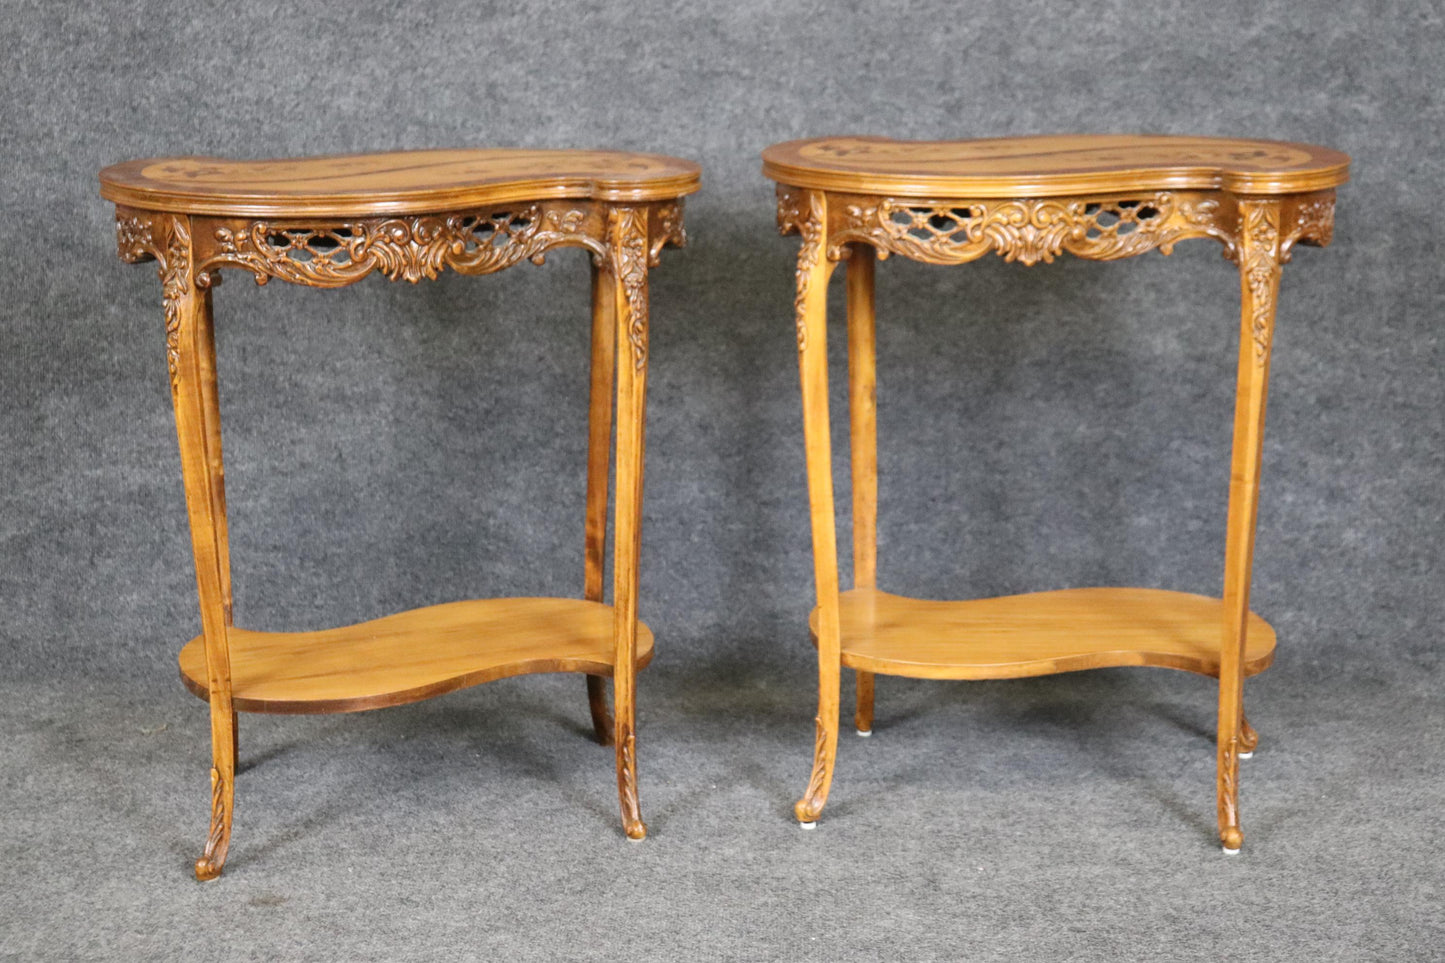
x=665, y=227
x=802, y=212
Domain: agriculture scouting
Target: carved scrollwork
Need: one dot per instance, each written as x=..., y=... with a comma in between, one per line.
x=401, y=248
x=802, y=212
x=630, y=258
x=1260, y=258
x=1027, y=230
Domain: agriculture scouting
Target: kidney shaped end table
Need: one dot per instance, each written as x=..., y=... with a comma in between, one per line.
x=1031, y=199
x=331, y=221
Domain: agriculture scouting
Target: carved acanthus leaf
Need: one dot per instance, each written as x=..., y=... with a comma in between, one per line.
x=1228, y=784
x=627, y=775
x=814, y=796
x=401, y=248
x=1027, y=230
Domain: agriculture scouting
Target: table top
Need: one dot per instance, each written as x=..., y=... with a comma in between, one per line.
x=1053, y=165
x=400, y=182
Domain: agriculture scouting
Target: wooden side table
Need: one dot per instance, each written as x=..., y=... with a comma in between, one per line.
x=1030, y=199
x=331, y=221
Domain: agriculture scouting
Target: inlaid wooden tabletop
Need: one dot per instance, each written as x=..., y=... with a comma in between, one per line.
x=400, y=182
x=1049, y=165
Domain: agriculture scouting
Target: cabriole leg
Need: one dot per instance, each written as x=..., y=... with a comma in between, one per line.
x=863, y=435
x=599, y=450
x=628, y=244
x=811, y=307
x=190, y=343
x=1259, y=267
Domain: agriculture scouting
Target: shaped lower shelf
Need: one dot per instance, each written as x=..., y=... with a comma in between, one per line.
x=413, y=655
x=1039, y=633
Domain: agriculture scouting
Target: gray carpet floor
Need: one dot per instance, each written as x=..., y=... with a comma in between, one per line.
x=1061, y=818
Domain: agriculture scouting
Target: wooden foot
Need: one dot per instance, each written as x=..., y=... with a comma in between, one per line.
x=863, y=715
x=1248, y=738
x=632, y=823
x=825, y=747
x=218, y=842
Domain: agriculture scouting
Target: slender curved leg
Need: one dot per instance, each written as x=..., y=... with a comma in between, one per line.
x=1259, y=269
x=628, y=277
x=811, y=305
x=863, y=434
x=191, y=354
x=599, y=452
x=1248, y=738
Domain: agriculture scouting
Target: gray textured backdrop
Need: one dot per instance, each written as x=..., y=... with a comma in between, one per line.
x=390, y=446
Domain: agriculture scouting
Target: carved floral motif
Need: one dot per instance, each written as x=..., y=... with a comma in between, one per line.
x=1260, y=256
x=1314, y=223
x=630, y=258
x=669, y=230
x=401, y=248
x=1027, y=230
x=175, y=286
x=135, y=237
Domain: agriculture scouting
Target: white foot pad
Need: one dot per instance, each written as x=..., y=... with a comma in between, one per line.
x=631, y=840
x=865, y=733
x=1247, y=755
x=1229, y=852
x=808, y=825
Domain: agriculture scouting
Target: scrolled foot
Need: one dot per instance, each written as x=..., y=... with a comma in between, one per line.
x=1231, y=839
x=211, y=863
x=636, y=831
x=1248, y=739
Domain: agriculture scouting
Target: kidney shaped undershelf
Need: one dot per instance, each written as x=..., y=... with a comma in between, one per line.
x=1039, y=633
x=413, y=655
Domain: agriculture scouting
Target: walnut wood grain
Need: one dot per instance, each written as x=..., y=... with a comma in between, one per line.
x=412, y=655
x=1032, y=200
x=401, y=182
x=1047, y=166
x=1039, y=633
x=408, y=216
